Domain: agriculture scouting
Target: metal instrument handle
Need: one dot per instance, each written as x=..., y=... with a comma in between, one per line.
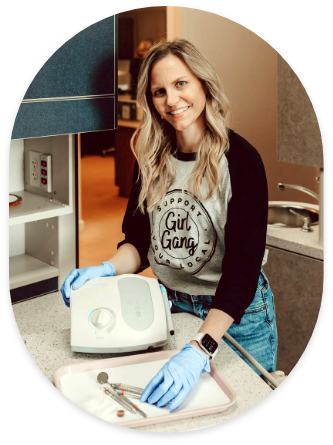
x=143, y=414
x=127, y=388
x=122, y=400
x=128, y=393
x=133, y=408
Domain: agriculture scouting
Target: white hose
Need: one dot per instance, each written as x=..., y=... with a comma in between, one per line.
x=254, y=362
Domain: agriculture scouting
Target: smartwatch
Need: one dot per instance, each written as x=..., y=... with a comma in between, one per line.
x=207, y=343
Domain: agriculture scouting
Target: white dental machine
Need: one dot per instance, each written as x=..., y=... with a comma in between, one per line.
x=119, y=314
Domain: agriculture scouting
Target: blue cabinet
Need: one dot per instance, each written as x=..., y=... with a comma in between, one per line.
x=76, y=89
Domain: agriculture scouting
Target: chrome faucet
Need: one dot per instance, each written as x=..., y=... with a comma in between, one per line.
x=306, y=227
x=298, y=187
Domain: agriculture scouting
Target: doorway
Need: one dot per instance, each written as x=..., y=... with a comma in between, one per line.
x=101, y=209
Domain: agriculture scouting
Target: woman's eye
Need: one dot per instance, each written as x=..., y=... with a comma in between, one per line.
x=159, y=92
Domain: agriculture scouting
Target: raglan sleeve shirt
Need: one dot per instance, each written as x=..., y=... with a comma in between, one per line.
x=245, y=229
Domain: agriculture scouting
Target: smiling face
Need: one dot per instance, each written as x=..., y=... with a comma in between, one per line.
x=178, y=94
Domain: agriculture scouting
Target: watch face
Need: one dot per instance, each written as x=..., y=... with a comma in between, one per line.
x=209, y=343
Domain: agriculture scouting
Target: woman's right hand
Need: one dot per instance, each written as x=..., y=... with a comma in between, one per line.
x=78, y=277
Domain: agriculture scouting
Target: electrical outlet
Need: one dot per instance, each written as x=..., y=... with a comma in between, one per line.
x=34, y=168
x=46, y=172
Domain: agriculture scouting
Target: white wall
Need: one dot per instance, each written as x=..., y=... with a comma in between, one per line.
x=248, y=69
x=16, y=166
x=16, y=184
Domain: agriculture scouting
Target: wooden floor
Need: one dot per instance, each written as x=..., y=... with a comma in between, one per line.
x=102, y=211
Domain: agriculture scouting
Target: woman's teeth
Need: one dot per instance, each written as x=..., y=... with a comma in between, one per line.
x=179, y=111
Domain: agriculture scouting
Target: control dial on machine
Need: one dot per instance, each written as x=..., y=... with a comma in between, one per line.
x=101, y=318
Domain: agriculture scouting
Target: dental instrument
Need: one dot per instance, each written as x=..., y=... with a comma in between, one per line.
x=134, y=395
x=103, y=379
x=127, y=388
x=122, y=400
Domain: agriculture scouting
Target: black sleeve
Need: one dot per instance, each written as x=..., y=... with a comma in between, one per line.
x=136, y=227
x=245, y=230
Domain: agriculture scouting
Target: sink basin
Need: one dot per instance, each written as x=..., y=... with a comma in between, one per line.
x=279, y=215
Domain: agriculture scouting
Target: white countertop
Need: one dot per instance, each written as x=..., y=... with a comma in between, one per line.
x=44, y=324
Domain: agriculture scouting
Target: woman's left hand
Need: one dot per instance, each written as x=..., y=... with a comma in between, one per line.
x=177, y=378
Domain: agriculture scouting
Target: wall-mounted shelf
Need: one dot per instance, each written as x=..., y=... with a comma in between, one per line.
x=25, y=270
x=42, y=238
x=34, y=208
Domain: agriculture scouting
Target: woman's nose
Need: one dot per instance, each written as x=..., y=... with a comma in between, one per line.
x=172, y=98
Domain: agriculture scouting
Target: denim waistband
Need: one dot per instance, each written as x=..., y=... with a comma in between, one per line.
x=173, y=294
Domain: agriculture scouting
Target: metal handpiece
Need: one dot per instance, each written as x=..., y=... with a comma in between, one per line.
x=129, y=388
x=121, y=400
x=103, y=378
x=135, y=395
x=116, y=392
x=143, y=414
x=130, y=405
x=134, y=407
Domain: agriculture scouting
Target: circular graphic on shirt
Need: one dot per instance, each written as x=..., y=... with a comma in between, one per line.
x=183, y=236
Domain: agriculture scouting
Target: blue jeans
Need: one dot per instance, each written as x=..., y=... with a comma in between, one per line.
x=256, y=333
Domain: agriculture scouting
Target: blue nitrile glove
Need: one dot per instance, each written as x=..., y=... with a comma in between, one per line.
x=78, y=277
x=177, y=378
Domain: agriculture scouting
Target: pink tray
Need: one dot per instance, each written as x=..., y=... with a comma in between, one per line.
x=145, y=358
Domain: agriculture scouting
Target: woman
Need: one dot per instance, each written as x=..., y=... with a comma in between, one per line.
x=197, y=214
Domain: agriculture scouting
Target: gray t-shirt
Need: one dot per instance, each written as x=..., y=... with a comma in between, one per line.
x=187, y=236
x=213, y=247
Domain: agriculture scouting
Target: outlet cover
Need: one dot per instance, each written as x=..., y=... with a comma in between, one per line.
x=34, y=168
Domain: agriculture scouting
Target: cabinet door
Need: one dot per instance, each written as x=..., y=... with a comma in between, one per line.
x=76, y=90
x=297, y=284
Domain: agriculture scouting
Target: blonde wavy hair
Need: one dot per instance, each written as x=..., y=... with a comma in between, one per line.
x=155, y=139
